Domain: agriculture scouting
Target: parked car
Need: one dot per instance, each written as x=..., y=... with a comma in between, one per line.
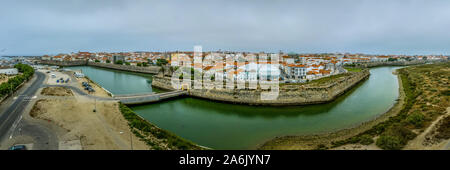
x=18, y=147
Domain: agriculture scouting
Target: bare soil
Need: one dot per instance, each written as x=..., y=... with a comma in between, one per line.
x=105, y=129
x=56, y=91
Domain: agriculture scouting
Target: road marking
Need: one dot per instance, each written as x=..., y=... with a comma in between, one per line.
x=14, y=126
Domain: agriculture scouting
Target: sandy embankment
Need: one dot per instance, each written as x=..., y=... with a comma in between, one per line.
x=105, y=129
x=308, y=142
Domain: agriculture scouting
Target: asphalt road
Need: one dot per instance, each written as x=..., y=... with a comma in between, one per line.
x=10, y=117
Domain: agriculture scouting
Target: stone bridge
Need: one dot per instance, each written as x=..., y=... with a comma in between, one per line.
x=148, y=97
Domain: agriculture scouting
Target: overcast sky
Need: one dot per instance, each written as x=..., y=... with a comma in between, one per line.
x=36, y=27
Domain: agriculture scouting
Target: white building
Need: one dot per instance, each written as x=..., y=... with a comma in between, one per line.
x=9, y=71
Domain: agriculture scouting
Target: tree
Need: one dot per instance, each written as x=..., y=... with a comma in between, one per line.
x=120, y=62
x=416, y=119
x=108, y=61
x=161, y=62
x=389, y=142
x=138, y=64
x=144, y=64
x=392, y=59
x=97, y=61
x=127, y=63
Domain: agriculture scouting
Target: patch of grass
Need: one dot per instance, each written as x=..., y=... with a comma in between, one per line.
x=353, y=69
x=366, y=139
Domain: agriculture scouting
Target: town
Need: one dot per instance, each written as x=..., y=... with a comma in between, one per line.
x=291, y=67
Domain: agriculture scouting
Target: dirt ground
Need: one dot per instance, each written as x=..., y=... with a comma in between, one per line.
x=427, y=140
x=56, y=91
x=105, y=129
x=4, y=78
x=99, y=92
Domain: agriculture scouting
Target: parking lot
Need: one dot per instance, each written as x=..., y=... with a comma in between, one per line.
x=55, y=76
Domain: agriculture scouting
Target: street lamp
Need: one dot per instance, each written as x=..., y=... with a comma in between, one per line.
x=95, y=104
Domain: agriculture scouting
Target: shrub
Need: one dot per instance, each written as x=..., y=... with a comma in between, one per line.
x=321, y=147
x=161, y=62
x=119, y=62
x=389, y=142
x=365, y=139
x=416, y=119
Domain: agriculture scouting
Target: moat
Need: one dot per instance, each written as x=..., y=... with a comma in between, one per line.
x=229, y=126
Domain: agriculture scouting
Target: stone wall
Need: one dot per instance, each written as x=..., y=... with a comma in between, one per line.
x=392, y=63
x=289, y=94
x=148, y=69
x=63, y=63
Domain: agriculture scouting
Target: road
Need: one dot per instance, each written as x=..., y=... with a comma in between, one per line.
x=11, y=118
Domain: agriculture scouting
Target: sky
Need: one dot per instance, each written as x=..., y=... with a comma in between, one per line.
x=411, y=27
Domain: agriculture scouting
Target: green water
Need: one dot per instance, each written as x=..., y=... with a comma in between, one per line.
x=228, y=126
x=118, y=82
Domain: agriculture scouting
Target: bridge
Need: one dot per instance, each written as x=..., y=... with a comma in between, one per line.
x=148, y=97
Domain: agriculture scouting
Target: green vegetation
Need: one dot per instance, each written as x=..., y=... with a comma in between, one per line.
x=365, y=140
x=119, y=62
x=127, y=63
x=416, y=119
x=161, y=62
x=152, y=135
x=144, y=64
x=139, y=64
x=389, y=142
x=353, y=69
x=12, y=84
x=392, y=59
x=421, y=84
x=108, y=61
x=97, y=61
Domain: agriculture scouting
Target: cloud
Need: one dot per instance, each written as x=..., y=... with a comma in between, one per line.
x=382, y=27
